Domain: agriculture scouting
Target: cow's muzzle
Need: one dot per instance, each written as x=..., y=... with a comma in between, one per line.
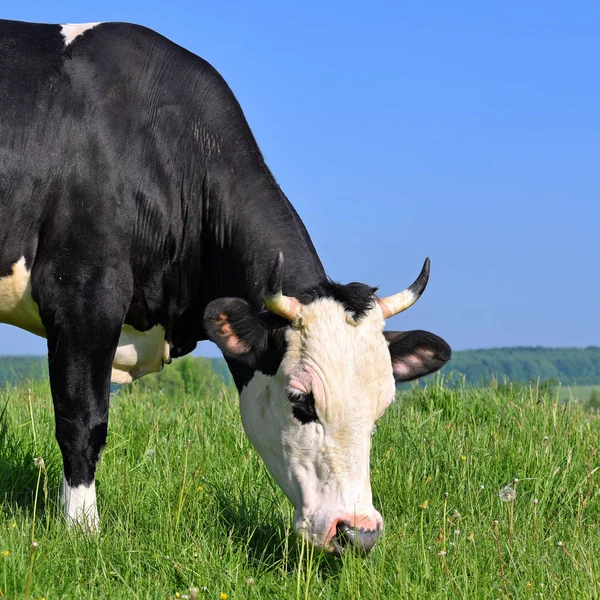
x=348, y=537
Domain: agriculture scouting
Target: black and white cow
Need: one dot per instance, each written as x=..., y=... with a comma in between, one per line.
x=137, y=216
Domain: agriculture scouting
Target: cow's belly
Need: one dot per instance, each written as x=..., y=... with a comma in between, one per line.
x=138, y=352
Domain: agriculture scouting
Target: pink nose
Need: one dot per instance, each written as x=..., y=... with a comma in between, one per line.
x=357, y=532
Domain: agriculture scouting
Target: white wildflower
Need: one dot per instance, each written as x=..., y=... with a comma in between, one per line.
x=507, y=494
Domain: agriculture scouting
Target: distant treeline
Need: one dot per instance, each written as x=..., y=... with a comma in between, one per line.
x=565, y=365
x=569, y=366
x=188, y=373
x=18, y=369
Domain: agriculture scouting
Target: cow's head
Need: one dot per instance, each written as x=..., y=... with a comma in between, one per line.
x=314, y=377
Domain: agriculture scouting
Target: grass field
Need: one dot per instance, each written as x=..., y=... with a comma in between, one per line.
x=185, y=502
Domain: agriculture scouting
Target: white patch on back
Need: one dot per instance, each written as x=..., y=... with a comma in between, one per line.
x=138, y=352
x=80, y=505
x=71, y=31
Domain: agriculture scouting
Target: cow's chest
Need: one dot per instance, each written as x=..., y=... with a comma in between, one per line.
x=138, y=352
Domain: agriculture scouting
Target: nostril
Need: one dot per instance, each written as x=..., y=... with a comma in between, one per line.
x=343, y=536
x=340, y=539
x=343, y=527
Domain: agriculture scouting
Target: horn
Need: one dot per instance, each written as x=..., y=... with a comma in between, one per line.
x=284, y=306
x=392, y=305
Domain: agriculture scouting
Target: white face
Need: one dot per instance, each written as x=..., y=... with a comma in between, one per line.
x=323, y=466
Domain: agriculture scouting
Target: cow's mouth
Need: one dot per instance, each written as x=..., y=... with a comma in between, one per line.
x=351, y=537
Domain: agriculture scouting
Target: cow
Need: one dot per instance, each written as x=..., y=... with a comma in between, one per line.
x=138, y=217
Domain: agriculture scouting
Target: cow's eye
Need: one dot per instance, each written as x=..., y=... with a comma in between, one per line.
x=303, y=405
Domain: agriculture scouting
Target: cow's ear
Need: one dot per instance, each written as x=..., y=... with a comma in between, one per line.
x=235, y=326
x=416, y=353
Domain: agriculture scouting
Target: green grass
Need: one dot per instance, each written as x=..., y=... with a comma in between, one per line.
x=204, y=513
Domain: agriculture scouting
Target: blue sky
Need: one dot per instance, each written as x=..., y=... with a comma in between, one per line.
x=466, y=131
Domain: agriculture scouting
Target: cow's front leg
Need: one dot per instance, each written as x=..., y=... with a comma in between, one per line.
x=82, y=314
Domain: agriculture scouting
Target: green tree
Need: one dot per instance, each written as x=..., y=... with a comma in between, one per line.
x=189, y=374
x=593, y=402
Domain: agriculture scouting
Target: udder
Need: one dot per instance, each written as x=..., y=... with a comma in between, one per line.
x=139, y=353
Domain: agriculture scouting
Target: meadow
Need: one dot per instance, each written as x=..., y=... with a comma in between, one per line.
x=185, y=502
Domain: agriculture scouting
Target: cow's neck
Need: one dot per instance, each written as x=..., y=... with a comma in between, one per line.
x=248, y=222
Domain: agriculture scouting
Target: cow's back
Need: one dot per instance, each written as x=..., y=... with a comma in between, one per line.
x=107, y=133
x=104, y=115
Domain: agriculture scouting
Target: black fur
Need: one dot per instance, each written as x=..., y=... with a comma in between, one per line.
x=356, y=298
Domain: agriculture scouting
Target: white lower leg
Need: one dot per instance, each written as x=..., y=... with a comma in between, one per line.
x=80, y=505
